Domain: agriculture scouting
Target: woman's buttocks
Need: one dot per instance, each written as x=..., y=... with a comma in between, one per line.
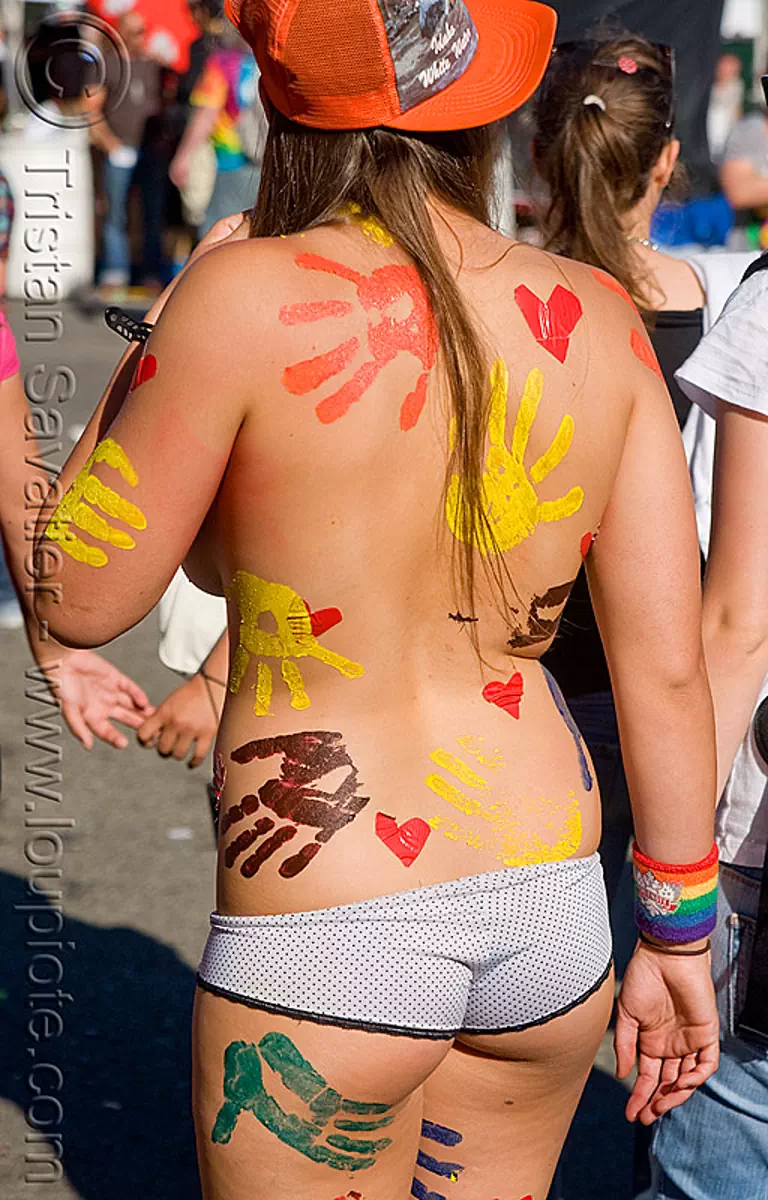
x=411, y=783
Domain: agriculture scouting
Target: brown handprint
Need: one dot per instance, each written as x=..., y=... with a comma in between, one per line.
x=307, y=758
x=388, y=336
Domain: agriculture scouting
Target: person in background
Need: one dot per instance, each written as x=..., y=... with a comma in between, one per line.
x=604, y=143
x=91, y=691
x=119, y=136
x=717, y=1149
x=744, y=177
x=222, y=105
x=726, y=105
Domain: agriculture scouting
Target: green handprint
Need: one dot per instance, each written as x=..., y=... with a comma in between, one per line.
x=509, y=496
x=244, y=1089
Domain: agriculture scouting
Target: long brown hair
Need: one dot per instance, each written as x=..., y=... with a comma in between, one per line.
x=597, y=158
x=308, y=176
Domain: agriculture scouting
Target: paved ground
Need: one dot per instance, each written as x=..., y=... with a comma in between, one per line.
x=136, y=887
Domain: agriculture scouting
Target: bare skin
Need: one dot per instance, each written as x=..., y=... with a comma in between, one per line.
x=346, y=513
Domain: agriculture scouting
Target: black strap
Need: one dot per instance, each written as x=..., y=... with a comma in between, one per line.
x=119, y=321
x=760, y=264
x=753, y=1022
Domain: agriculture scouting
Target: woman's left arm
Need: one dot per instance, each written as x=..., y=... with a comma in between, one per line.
x=736, y=585
x=132, y=506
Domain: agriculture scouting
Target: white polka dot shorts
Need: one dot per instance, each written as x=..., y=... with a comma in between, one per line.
x=487, y=953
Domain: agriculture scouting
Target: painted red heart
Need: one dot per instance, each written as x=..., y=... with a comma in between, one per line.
x=406, y=840
x=147, y=369
x=586, y=544
x=506, y=695
x=552, y=321
x=323, y=620
x=645, y=352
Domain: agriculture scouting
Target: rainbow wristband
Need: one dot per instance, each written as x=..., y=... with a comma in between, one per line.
x=675, y=903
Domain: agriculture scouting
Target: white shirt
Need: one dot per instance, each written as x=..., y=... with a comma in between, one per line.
x=731, y=363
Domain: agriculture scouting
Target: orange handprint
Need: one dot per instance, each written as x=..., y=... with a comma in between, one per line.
x=388, y=336
x=509, y=496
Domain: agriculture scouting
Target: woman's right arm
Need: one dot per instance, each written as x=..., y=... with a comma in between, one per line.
x=736, y=588
x=644, y=578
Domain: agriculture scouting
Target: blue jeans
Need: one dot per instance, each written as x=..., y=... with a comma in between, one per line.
x=115, y=249
x=715, y=1146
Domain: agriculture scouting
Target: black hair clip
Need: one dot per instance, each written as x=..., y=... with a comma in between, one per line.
x=119, y=321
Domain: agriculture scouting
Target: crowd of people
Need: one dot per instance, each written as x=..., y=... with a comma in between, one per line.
x=482, y=482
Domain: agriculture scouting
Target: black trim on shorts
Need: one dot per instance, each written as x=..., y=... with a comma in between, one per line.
x=296, y=1014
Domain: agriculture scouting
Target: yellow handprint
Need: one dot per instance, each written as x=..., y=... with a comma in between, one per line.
x=295, y=637
x=74, y=510
x=533, y=831
x=509, y=496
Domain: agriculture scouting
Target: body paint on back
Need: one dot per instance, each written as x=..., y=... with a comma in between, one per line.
x=326, y=1127
x=73, y=509
x=508, y=696
x=498, y=828
x=510, y=500
x=613, y=285
x=368, y=224
x=642, y=349
x=550, y=321
x=573, y=729
x=445, y=1170
x=539, y=628
x=406, y=841
x=295, y=637
x=295, y=798
x=388, y=337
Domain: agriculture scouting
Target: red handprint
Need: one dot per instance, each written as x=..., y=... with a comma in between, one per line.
x=388, y=336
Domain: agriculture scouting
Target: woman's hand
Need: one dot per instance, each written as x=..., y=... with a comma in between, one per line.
x=185, y=719
x=666, y=1019
x=92, y=693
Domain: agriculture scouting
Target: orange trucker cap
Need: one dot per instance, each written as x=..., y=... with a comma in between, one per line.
x=419, y=65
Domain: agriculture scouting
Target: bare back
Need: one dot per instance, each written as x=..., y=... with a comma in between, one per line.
x=335, y=547
x=287, y=433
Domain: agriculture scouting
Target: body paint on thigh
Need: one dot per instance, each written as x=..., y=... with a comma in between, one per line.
x=295, y=637
x=326, y=1127
x=445, y=1170
x=73, y=509
x=498, y=829
x=573, y=729
x=550, y=321
x=295, y=798
x=388, y=336
x=510, y=500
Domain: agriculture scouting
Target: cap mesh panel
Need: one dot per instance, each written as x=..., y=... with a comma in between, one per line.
x=334, y=58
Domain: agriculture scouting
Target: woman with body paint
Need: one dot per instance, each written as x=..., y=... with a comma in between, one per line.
x=388, y=435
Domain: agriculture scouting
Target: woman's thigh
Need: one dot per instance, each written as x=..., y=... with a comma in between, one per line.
x=287, y=1108
x=498, y=1107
